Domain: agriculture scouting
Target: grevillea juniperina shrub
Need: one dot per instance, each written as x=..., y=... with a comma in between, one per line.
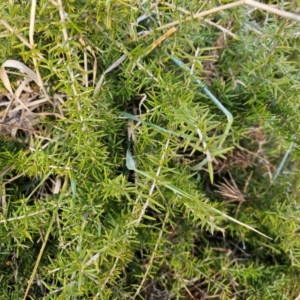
x=149, y=150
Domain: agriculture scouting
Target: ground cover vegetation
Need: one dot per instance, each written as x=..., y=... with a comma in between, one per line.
x=149, y=150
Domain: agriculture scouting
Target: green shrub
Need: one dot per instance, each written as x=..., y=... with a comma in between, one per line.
x=121, y=177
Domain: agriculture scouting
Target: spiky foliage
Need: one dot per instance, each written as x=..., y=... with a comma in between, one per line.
x=118, y=178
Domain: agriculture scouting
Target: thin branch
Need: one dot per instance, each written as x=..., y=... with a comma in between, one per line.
x=32, y=22
x=252, y=3
x=19, y=36
x=273, y=10
x=62, y=15
x=187, y=12
x=23, y=217
x=39, y=256
x=146, y=204
x=152, y=257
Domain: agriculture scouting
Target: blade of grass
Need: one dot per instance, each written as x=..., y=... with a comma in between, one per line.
x=206, y=91
x=131, y=166
x=40, y=254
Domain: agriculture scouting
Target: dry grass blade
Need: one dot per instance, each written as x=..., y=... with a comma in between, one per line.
x=21, y=67
x=5, y=80
x=32, y=22
x=187, y=12
x=3, y=200
x=24, y=108
x=298, y=298
x=255, y=4
x=19, y=112
x=110, y=68
x=18, y=127
x=161, y=39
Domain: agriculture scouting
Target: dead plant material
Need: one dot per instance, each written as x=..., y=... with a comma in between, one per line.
x=238, y=158
x=231, y=192
x=21, y=111
x=195, y=293
x=252, y=156
x=24, y=106
x=154, y=293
